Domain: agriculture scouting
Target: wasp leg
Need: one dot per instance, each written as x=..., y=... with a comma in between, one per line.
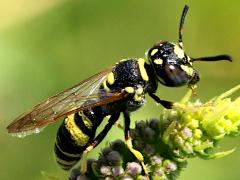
x=119, y=125
x=193, y=89
x=166, y=104
x=128, y=140
x=97, y=141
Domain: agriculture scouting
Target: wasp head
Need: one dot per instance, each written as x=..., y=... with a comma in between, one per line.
x=171, y=66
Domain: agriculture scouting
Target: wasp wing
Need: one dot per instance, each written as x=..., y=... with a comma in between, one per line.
x=67, y=102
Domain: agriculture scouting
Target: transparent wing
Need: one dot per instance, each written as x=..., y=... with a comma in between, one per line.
x=65, y=103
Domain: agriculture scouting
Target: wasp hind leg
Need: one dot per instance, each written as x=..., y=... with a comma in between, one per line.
x=96, y=141
x=128, y=141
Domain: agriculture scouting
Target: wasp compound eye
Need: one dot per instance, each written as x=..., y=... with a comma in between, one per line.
x=171, y=75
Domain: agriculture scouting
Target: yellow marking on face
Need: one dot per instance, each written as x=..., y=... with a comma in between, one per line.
x=110, y=78
x=178, y=51
x=105, y=86
x=138, y=98
x=189, y=60
x=180, y=44
x=158, y=61
x=187, y=69
x=129, y=90
x=142, y=69
x=76, y=133
x=139, y=91
x=154, y=51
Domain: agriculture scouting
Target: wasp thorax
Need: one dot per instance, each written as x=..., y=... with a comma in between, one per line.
x=171, y=65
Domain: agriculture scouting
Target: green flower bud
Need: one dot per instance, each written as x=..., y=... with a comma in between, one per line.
x=140, y=177
x=197, y=133
x=167, y=133
x=188, y=148
x=193, y=124
x=196, y=142
x=179, y=140
x=204, y=145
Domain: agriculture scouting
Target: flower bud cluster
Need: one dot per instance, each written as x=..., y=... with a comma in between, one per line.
x=147, y=139
x=188, y=130
x=195, y=128
x=117, y=162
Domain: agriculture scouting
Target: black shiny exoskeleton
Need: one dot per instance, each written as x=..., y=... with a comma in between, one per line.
x=119, y=89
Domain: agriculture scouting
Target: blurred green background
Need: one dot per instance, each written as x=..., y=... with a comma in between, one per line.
x=47, y=46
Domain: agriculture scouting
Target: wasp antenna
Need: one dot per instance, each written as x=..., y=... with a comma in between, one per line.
x=214, y=58
x=185, y=10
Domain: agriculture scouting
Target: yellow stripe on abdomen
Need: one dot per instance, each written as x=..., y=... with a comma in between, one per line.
x=77, y=135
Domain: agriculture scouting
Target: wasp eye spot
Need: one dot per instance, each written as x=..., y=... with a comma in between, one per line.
x=178, y=51
x=187, y=69
x=158, y=61
x=154, y=51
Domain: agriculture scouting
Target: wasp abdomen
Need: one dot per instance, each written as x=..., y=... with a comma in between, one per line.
x=74, y=135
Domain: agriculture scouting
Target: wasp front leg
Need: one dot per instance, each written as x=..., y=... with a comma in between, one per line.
x=128, y=141
x=164, y=103
x=96, y=141
x=193, y=88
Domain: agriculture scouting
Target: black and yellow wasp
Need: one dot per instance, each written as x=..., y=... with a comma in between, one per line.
x=118, y=89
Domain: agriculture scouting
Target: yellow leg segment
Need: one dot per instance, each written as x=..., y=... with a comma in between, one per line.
x=128, y=141
x=83, y=163
x=137, y=154
x=96, y=141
